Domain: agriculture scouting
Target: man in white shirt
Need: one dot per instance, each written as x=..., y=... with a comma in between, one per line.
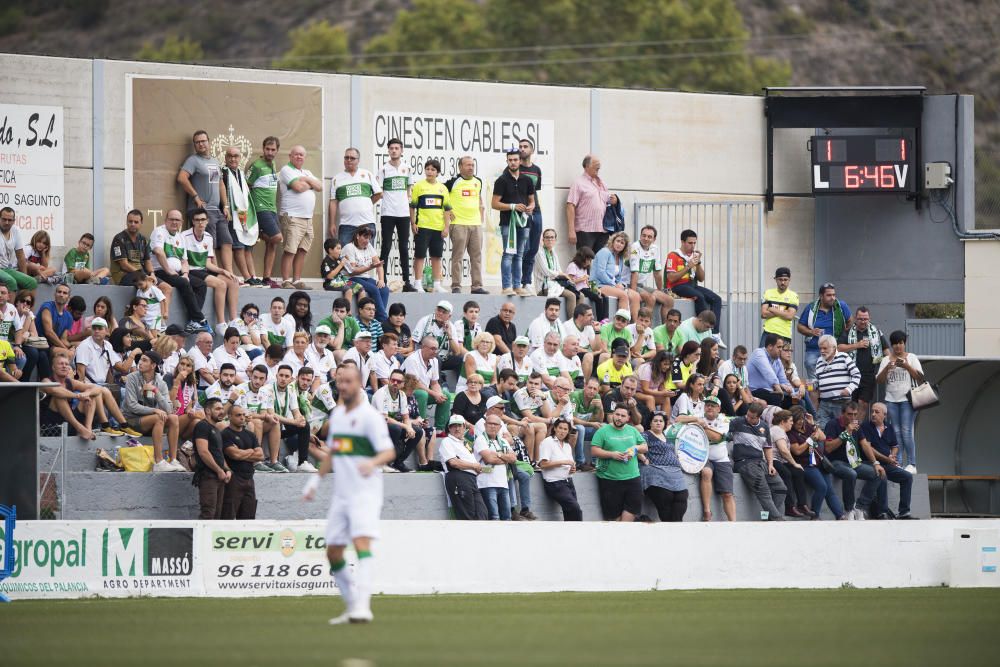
x=589, y=343
x=170, y=265
x=223, y=388
x=391, y=402
x=13, y=263
x=279, y=325
x=384, y=362
x=647, y=272
x=298, y=187
x=204, y=365
x=547, y=322
x=548, y=360
x=281, y=400
x=396, y=179
x=251, y=396
x=451, y=352
x=361, y=354
x=424, y=366
x=95, y=357
x=319, y=358
x=354, y=193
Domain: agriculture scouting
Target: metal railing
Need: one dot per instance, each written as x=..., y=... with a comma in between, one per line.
x=731, y=239
x=52, y=486
x=944, y=338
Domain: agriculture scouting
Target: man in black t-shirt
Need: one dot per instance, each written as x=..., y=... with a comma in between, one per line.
x=503, y=328
x=514, y=197
x=624, y=396
x=242, y=451
x=130, y=251
x=526, y=149
x=211, y=473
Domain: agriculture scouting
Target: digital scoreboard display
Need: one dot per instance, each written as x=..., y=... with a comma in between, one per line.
x=848, y=164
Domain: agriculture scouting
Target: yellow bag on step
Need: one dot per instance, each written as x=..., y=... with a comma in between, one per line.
x=136, y=459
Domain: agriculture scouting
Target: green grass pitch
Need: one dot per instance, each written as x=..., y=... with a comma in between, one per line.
x=764, y=627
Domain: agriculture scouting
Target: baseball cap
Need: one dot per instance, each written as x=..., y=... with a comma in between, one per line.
x=620, y=351
x=445, y=305
x=494, y=401
x=99, y=322
x=363, y=334
x=456, y=420
x=624, y=314
x=172, y=330
x=782, y=272
x=713, y=399
x=323, y=329
x=522, y=340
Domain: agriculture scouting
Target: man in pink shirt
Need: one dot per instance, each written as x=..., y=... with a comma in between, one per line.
x=588, y=199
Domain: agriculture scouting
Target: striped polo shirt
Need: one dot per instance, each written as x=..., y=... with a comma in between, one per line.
x=835, y=375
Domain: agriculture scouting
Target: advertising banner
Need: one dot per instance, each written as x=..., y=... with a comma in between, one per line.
x=265, y=558
x=31, y=168
x=448, y=138
x=66, y=559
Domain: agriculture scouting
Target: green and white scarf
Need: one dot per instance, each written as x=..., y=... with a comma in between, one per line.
x=838, y=318
x=874, y=343
x=520, y=220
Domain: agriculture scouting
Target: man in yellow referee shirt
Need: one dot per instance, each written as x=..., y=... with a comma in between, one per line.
x=466, y=193
x=778, y=306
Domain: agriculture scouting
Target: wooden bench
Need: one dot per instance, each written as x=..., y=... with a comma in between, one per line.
x=960, y=479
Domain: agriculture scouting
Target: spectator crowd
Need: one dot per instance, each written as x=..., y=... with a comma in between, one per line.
x=592, y=385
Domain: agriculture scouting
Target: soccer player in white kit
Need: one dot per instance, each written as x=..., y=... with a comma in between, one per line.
x=359, y=446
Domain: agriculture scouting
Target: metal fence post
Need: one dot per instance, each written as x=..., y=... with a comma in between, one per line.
x=729, y=274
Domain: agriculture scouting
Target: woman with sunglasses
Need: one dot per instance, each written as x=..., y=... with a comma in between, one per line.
x=253, y=335
x=663, y=480
x=22, y=319
x=470, y=402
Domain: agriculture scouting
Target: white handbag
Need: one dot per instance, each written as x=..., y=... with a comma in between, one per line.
x=923, y=396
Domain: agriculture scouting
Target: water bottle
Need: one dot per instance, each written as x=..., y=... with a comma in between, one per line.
x=428, y=277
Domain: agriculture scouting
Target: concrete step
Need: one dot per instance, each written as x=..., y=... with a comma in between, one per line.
x=93, y=495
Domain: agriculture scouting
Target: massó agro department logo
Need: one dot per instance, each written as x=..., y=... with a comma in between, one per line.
x=147, y=552
x=221, y=144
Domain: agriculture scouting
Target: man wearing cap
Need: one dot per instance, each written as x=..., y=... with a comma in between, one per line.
x=462, y=472
x=451, y=352
x=611, y=373
x=624, y=395
x=717, y=474
x=517, y=360
x=494, y=454
x=778, y=306
x=170, y=363
x=547, y=322
x=95, y=357
x=424, y=366
x=501, y=326
x=319, y=358
x=616, y=330
x=361, y=354
x=405, y=435
x=615, y=448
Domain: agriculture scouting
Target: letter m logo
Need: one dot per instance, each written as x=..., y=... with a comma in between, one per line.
x=124, y=552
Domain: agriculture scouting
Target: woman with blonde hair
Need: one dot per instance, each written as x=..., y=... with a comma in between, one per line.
x=480, y=359
x=611, y=273
x=184, y=396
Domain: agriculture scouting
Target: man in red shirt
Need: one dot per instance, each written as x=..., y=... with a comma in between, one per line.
x=684, y=270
